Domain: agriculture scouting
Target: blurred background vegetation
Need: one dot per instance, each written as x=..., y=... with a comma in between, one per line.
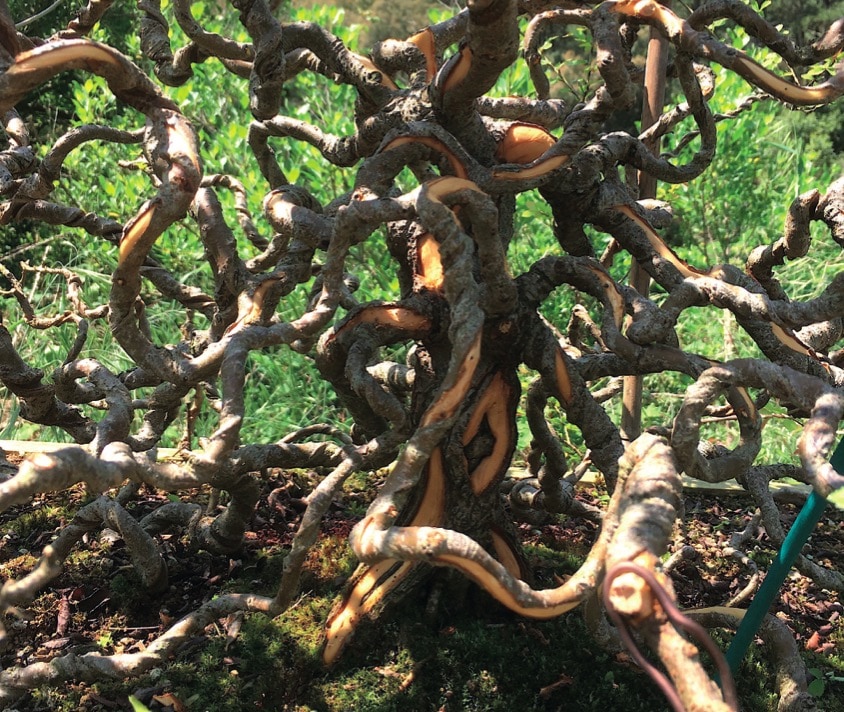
x=766, y=157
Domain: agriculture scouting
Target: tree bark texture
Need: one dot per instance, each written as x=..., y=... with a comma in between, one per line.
x=446, y=421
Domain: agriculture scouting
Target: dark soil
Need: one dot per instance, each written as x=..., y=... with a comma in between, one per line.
x=98, y=604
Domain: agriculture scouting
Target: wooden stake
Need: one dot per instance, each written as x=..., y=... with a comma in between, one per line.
x=654, y=99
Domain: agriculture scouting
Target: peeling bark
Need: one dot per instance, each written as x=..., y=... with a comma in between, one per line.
x=446, y=420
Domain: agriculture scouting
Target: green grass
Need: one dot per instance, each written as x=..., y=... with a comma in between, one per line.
x=740, y=203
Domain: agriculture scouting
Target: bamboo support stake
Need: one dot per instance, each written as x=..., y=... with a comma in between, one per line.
x=654, y=99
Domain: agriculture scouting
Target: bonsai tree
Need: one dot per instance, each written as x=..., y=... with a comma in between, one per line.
x=478, y=355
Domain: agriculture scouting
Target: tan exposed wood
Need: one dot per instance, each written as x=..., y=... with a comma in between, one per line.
x=657, y=61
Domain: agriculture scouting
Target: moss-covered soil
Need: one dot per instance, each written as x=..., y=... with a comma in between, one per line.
x=446, y=648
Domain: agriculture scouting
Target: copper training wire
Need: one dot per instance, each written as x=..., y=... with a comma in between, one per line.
x=679, y=621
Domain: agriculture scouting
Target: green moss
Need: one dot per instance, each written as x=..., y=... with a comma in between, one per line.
x=483, y=659
x=329, y=564
x=18, y=566
x=479, y=659
x=485, y=665
x=53, y=699
x=127, y=592
x=544, y=559
x=271, y=665
x=36, y=520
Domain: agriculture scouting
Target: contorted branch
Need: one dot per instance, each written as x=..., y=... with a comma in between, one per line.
x=428, y=371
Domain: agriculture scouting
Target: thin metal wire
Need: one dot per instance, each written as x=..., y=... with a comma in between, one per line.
x=681, y=622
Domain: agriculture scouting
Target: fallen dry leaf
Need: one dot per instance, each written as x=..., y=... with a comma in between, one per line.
x=168, y=699
x=63, y=618
x=549, y=690
x=233, y=624
x=814, y=642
